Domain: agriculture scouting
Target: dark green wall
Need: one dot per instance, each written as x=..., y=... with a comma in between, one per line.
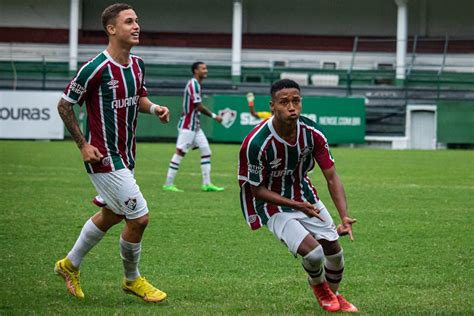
x=341, y=119
x=455, y=122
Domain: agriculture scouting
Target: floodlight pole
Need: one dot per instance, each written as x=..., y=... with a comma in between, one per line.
x=402, y=30
x=237, y=41
x=73, y=35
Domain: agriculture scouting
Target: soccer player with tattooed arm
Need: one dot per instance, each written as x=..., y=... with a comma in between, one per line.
x=276, y=192
x=112, y=85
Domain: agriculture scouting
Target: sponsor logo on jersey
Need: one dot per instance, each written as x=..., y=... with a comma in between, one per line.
x=113, y=84
x=275, y=163
x=131, y=204
x=77, y=88
x=228, y=117
x=125, y=102
x=281, y=173
x=254, y=169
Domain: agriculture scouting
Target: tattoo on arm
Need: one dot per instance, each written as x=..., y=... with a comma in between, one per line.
x=69, y=119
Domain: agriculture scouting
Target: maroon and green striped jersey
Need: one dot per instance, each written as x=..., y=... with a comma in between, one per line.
x=111, y=92
x=268, y=160
x=192, y=97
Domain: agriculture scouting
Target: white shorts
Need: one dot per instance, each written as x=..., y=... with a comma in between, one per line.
x=292, y=227
x=120, y=192
x=188, y=139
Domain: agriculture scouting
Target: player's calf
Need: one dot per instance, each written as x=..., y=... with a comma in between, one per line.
x=313, y=264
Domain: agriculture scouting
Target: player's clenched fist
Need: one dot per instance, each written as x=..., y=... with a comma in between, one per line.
x=90, y=154
x=163, y=113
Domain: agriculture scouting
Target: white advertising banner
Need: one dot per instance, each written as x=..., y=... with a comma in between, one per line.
x=30, y=115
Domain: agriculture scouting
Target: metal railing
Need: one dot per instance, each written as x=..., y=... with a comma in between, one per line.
x=431, y=62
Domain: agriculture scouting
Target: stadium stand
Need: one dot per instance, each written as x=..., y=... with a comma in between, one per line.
x=437, y=69
x=431, y=62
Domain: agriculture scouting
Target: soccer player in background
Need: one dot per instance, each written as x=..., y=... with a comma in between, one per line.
x=112, y=85
x=190, y=134
x=263, y=115
x=276, y=192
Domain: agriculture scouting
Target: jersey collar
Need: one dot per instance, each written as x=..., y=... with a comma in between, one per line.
x=281, y=140
x=106, y=53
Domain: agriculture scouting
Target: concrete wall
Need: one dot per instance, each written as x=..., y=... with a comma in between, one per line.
x=321, y=17
x=34, y=13
x=313, y=17
x=210, y=16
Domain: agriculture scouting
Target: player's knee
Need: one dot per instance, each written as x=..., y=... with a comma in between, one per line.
x=314, y=259
x=205, y=151
x=336, y=259
x=140, y=223
x=330, y=247
x=179, y=152
x=105, y=219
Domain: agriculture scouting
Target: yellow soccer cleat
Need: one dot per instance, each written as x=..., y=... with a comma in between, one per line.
x=142, y=288
x=66, y=270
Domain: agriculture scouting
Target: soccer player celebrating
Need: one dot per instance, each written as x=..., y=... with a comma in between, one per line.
x=190, y=134
x=251, y=102
x=112, y=86
x=276, y=191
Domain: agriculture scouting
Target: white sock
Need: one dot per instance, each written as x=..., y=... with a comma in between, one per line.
x=313, y=264
x=89, y=237
x=130, y=253
x=173, y=169
x=334, y=269
x=206, y=169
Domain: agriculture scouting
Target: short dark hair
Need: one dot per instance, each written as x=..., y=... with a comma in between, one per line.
x=111, y=12
x=283, y=84
x=196, y=65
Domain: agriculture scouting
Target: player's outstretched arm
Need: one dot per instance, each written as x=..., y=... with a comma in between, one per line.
x=253, y=113
x=146, y=106
x=263, y=194
x=90, y=154
x=338, y=195
x=251, y=104
x=207, y=112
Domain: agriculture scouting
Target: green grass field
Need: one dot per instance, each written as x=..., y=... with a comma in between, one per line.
x=413, y=251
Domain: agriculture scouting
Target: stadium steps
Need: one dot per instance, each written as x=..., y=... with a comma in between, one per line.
x=385, y=116
x=37, y=71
